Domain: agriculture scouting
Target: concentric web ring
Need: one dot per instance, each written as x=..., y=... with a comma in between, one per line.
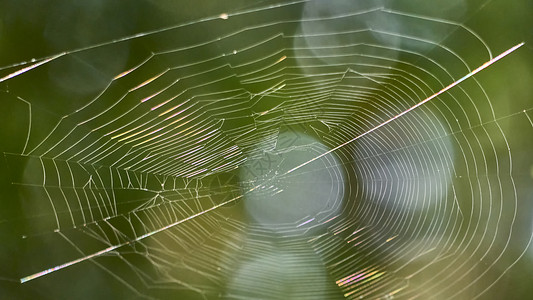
x=302, y=150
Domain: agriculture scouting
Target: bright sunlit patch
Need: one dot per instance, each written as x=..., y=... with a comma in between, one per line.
x=255, y=278
x=314, y=42
x=299, y=199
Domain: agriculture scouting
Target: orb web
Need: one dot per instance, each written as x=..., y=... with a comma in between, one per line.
x=300, y=150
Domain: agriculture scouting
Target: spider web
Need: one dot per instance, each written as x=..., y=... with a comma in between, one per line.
x=293, y=150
